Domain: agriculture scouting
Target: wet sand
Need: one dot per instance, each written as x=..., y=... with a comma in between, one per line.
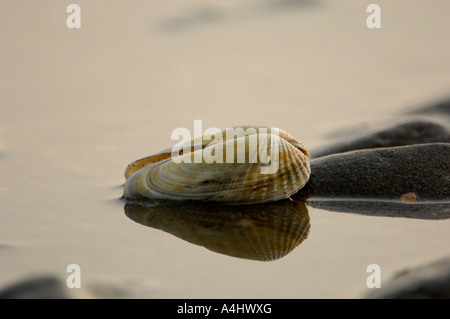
x=77, y=106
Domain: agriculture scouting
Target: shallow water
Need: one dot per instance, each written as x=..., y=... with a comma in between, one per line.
x=78, y=105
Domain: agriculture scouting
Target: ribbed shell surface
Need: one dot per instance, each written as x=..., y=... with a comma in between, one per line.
x=268, y=173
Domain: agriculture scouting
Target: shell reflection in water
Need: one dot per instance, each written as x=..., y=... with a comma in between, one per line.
x=258, y=232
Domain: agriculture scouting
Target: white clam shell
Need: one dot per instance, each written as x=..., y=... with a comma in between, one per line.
x=240, y=183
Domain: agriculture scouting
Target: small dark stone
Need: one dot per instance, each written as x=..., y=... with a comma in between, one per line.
x=431, y=281
x=415, y=132
x=382, y=173
x=42, y=287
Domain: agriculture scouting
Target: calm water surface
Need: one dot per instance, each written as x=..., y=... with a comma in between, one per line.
x=78, y=105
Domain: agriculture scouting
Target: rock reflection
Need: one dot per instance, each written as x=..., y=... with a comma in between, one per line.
x=386, y=208
x=262, y=232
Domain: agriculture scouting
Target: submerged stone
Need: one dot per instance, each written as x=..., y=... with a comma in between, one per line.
x=382, y=173
x=431, y=281
x=42, y=287
x=385, y=208
x=440, y=108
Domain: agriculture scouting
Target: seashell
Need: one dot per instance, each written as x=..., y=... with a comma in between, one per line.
x=249, y=177
x=262, y=232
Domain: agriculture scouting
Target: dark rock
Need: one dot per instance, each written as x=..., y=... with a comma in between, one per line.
x=382, y=173
x=431, y=281
x=415, y=132
x=42, y=287
x=53, y=287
